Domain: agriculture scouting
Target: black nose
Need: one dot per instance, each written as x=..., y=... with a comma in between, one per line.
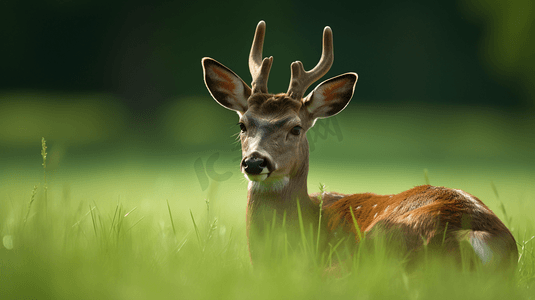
x=254, y=165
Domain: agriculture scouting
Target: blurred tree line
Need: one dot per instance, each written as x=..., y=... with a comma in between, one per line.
x=145, y=55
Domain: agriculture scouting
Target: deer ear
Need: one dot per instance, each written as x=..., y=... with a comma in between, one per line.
x=331, y=96
x=227, y=88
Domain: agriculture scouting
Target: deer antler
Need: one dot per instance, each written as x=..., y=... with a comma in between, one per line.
x=301, y=79
x=259, y=67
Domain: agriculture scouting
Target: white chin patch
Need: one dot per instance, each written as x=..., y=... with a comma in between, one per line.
x=259, y=177
x=269, y=185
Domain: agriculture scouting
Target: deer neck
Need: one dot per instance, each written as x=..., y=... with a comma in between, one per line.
x=280, y=200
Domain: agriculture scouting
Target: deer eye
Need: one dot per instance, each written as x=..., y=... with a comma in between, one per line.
x=296, y=130
x=242, y=127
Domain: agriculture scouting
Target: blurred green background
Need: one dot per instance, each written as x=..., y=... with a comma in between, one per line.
x=116, y=88
x=446, y=92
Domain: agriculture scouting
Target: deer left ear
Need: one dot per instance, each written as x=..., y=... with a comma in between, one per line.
x=227, y=88
x=331, y=96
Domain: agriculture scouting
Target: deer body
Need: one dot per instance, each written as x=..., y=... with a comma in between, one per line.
x=438, y=217
x=276, y=162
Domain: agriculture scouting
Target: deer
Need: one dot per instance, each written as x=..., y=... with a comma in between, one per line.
x=275, y=162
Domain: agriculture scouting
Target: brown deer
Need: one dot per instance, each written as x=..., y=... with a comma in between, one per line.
x=276, y=159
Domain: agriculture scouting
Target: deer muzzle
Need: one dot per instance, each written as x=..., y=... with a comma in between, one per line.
x=256, y=167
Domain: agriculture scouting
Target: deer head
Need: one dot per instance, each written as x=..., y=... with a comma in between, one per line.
x=273, y=126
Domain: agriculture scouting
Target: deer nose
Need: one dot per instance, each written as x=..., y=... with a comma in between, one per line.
x=254, y=165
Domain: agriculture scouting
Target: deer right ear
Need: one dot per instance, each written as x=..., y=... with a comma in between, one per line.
x=227, y=88
x=331, y=96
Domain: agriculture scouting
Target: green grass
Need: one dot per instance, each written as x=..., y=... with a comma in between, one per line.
x=133, y=229
x=61, y=247
x=123, y=253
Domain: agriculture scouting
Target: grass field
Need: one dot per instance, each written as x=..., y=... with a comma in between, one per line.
x=124, y=226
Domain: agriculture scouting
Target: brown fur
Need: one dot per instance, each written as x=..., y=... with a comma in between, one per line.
x=434, y=216
x=267, y=104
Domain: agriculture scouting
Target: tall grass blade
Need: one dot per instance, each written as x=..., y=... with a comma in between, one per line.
x=444, y=234
x=181, y=245
x=115, y=217
x=322, y=190
x=82, y=218
x=45, y=187
x=356, y=224
x=93, y=218
x=32, y=199
x=171, y=217
x=196, y=230
x=126, y=215
x=211, y=230
x=227, y=246
x=426, y=176
x=302, y=229
x=130, y=228
x=286, y=244
x=508, y=219
x=332, y=250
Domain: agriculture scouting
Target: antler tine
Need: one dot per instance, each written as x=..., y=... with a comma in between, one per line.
x=300, y=79
x=259, y=67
